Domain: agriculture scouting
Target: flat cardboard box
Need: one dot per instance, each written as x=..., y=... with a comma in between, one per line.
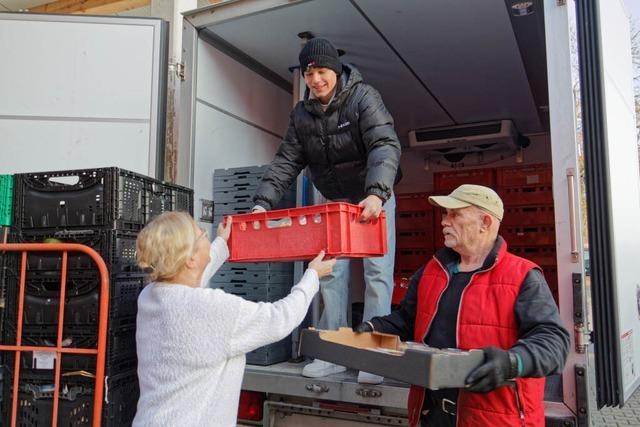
x=386, y=355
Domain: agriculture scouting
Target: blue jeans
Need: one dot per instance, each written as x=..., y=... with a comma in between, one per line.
x=378, y=278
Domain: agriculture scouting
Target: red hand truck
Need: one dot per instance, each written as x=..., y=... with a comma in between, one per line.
x=59, y=350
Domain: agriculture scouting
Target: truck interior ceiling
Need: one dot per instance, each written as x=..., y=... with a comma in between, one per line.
x=446, y=68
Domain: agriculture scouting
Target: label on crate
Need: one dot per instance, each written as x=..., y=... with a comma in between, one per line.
x=43, y=359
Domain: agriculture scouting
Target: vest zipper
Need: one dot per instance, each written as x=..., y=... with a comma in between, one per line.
x=446, y=272
x=462, y=297
x=426, y=331
x=458, y=323
x=519, y=404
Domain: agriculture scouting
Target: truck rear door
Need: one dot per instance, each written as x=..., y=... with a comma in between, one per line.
x=613, y=195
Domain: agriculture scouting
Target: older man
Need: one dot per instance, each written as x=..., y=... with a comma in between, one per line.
x=475, y=294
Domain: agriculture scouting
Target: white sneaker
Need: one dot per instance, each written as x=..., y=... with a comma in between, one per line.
x=320, y=368
x=368, y=378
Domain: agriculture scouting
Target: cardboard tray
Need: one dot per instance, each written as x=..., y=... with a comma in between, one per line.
x=386, y=355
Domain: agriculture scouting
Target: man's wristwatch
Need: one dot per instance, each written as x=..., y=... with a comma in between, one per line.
x=513, y=365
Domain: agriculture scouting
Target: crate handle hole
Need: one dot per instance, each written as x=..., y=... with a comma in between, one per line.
x=279, y=223
x=65, y=180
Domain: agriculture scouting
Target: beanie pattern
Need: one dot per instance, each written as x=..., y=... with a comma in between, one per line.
x=318, y=53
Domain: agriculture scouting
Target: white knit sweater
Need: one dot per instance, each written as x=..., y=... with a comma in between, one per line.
x=191, y=345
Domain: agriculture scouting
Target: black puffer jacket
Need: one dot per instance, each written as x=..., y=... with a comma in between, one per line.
x=351, y=149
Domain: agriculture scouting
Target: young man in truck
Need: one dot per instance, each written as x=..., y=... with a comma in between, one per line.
x=345, y=136
x=475, y=294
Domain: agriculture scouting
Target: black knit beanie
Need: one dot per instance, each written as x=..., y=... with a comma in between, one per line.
x=319, y=53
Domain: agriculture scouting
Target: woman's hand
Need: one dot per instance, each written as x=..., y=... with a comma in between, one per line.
x=224, y=230
x=322, y=267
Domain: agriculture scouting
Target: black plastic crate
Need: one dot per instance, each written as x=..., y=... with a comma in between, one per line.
x=104, y=197
x=163, y=197
x=117, y=249
x=258, y=267
x=120, y=352
x=45, y=336
x=257, y=170
x=77, y=362
x=240, y=173
x=261, y=278
x=182, y=198
x=81, y=310
x=43, y=363
x=75, y=405
x=233, y=196
x=270, y=354
x=269, y=293
x=232, y=208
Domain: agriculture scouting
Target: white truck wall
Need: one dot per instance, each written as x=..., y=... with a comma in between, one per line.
x=80, y=92
x=240, y=118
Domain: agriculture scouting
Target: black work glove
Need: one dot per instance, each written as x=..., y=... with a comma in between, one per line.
x=363, y=327
x=493, y=373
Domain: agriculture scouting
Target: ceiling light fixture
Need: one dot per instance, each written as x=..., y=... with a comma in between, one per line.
x=522, y=8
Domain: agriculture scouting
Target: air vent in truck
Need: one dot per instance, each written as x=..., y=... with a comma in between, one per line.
x=469, y=138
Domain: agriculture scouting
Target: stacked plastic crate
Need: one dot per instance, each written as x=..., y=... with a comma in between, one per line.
x=233, y=191
x=6, y=216
x=103, y=209
x=414, y=239
x=529, y=222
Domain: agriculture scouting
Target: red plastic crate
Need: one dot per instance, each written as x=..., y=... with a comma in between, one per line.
x=528, y=215
x=301, y=233
x=527, y=195
x=529, y=234
x=415, y=240
x=251, y=405
x=414, y=220
x=446, y=181
x=408, y=261
x=541, y=255
x=524, y=175
x=413, y=202
x=400, y=288
x=551, y=276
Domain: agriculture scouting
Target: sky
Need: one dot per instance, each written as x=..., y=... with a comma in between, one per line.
x=633, y=7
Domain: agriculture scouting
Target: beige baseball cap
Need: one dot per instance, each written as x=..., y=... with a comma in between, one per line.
x=471, y=195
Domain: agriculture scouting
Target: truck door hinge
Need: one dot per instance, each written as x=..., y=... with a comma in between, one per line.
x=582, y=334
x=178, y=68
x=583, y=338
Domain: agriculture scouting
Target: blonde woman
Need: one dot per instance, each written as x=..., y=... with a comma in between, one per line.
x=191, y=340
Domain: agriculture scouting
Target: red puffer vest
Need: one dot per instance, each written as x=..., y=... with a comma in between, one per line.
x=486, y=317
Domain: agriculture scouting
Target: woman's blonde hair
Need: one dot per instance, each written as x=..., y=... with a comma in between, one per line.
x=165, y=244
